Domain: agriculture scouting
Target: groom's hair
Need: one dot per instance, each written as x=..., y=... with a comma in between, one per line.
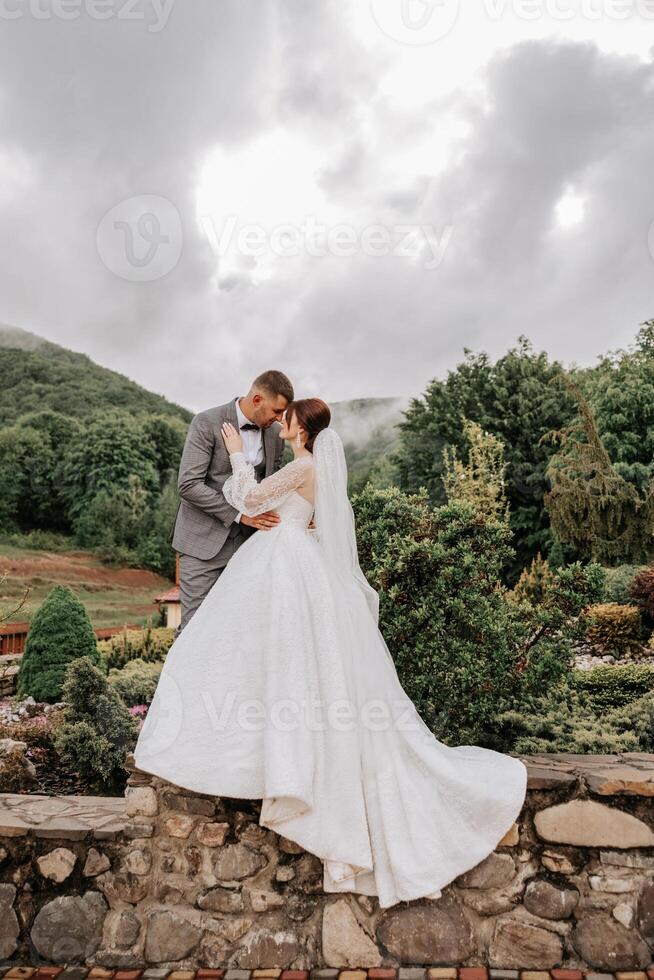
x=274, y=383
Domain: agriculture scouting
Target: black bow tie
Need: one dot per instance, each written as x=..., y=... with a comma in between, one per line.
x=250, y=425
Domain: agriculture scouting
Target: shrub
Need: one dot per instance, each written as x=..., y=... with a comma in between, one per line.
x=613, y=686
x=613, y=627
x=462, y=652
x=564, y=721
x=97, y=730
x=533, y=584
x=150, y=645
x=60, y=632
x=642, y=592
x=618, y=581
x=136, y=682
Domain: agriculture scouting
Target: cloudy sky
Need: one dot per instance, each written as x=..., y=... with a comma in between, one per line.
x=349, y=190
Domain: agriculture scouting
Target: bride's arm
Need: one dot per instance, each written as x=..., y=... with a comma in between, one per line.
x=242, y=491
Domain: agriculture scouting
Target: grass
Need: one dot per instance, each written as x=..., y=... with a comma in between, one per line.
x=112, y=595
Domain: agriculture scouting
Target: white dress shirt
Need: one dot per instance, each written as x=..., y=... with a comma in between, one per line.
x=252, y=443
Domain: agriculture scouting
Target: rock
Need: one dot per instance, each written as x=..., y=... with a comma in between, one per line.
x=495, y=871
x=56, y=865
x=221, y=900
x=344, y=941
x=549, y=901
x=434, y=933
x=236, y=861
x=604, y=883
x=121, y=929
x=169, y=936
x=627, y=859
x=125, y=886
x=276, y=949
x=591, y=824
x=262, y=901
x=486, y=903
x=189, y=804
x=511, y=837
x=285, y=872
x=96, y=863
x=516, y=943
x=141, y=801
x=555, y=861
x=69, y=928
x=9, y=927
x=606, y=945
x=624, y=913
x=179, y=825
x=11, y=749
x=138, y=861
x=212, y=834
x=645, y=912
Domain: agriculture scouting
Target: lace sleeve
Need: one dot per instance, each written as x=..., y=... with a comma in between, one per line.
x=242, y=491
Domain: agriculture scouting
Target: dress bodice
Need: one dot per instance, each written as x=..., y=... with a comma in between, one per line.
x=295, y=509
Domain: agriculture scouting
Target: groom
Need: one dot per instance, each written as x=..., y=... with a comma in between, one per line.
x=208, y=530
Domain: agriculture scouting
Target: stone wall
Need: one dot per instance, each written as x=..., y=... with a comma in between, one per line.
x=181, y=880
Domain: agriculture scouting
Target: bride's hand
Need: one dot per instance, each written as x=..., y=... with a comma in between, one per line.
x=231, y=438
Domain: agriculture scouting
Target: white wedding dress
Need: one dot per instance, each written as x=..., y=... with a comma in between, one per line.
x=281, y=688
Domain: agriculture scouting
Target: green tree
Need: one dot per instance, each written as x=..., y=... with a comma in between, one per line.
x=591, y=506
x=97, y=730
x=514, y=401
x=59, y=633
x=481, y=481
x=620, y=390
x=463, y=652
x=112, y=455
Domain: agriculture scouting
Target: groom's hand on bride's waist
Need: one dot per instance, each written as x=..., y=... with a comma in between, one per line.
x=262, y=522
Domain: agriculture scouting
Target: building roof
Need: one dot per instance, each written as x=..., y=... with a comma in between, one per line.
x=172, y=595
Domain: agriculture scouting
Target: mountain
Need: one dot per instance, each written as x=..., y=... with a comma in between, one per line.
x=37, y=374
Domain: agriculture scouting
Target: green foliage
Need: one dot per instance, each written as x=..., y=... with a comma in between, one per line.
x=480, y=481
x=97, y=731
x=591, y=506
x=111, y=456
x=621, y=390
x=62, y=381
x=149, y=645
x=613, y=686
x=564, y=721
x=60, y=632
x=618, y=583
x=534, y=583
x=613, y=627
x=136, y=682
x=513, y=400
x=462, y=651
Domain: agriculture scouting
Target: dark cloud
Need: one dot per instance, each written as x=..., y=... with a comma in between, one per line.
x=93, y=112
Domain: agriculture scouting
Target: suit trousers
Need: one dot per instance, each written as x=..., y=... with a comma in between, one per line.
x=197, y=576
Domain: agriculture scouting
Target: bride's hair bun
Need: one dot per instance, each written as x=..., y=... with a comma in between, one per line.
x=313, y=415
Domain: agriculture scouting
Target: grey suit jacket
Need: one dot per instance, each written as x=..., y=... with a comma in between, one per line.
x=204, y=517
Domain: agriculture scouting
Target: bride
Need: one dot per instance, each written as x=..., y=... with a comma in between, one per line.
x=281, y=688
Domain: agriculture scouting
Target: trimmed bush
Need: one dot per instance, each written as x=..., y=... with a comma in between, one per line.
x=150, y=645
x=136, y=682
x=97, y=730
x=613, y=627
x=60, y=632
x=564, y=721
x=618, y=583
x=642, y=592
x=613, y=686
